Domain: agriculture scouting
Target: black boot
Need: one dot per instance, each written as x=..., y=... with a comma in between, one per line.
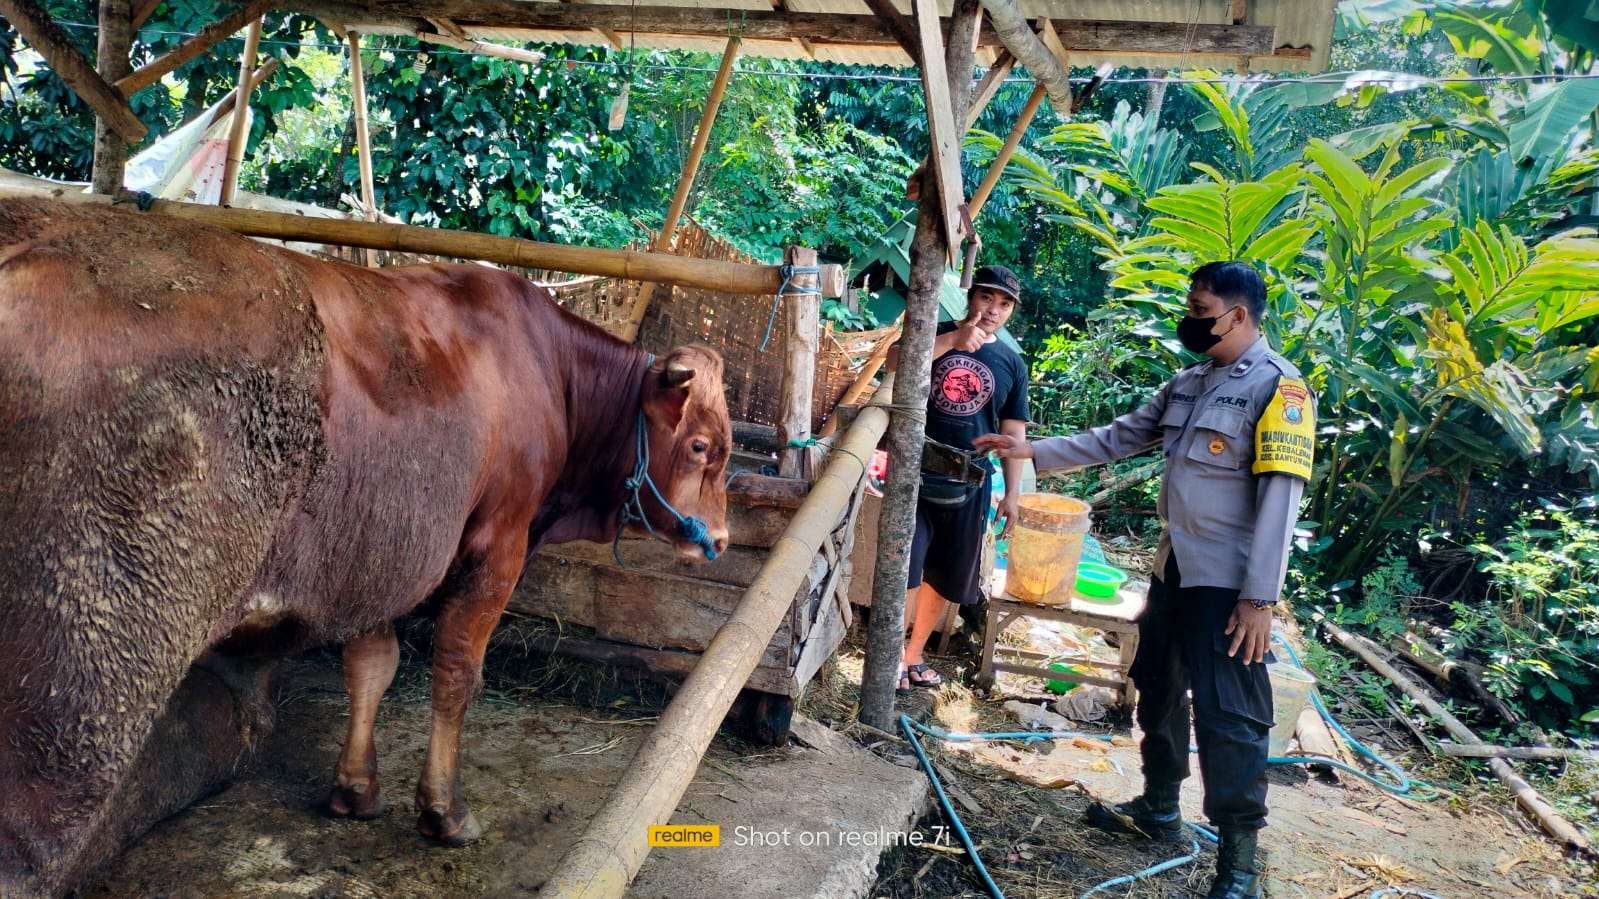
x=1154, y=815
x=1237, y=875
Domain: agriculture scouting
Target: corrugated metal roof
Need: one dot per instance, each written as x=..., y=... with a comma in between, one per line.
x=1306, y=24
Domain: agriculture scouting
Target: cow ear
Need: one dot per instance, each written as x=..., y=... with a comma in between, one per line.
x=676, y=374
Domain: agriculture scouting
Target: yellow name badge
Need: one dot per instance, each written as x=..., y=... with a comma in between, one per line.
x=681, y=836
x=1285, y=436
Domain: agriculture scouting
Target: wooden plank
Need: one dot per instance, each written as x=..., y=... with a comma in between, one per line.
x=1096, y=35
x=663, y=611
x=737, y=567
x=685, y=181
x=34, y=24
x=674, y=664
x=803, y=308
x=705, y=274
x=446, y=26
x=238, y=134
x=899, y=26
x=560, y=589
x=208, y=37
x=750, y=489
x=945, y=140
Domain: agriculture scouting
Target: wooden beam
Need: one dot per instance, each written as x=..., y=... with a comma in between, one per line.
x=685, y=181
x=993, y=80
x=1240, y=11
x=1082, y=35
x=1535, y=753
x=945, y=141
x=209, y=37
x=238, y=133
x=44, y=36
x=1012, y=142
x=803, y=309
x=483, y=48
x=142, y=11
x=114, y=45
x=704, y=274
x=612, y=38
x=899, y=26
x=262, y=74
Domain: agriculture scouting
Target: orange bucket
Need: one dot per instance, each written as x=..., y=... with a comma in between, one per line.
x=1042, y=565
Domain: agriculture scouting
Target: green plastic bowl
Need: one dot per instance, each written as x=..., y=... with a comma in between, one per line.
x=1062, y=686
x=1098, y=583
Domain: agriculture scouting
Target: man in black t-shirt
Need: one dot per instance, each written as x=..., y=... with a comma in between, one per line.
x=979, y=387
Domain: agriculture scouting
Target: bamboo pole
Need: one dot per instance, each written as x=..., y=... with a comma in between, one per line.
x=363, y=136
x=1531, y=802
x=266, y=71
x=209, y=36
x=685, y=182
x=610, y=851
x=1537, y=753
x=1012, y=142
x=704, y=274
x=109, y=105
x=482, y=48
x=804, y=313
x=238, y=133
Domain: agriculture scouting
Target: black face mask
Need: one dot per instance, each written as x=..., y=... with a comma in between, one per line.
x=1195, y=333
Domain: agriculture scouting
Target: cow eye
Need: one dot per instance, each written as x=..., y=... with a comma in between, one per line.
x=699, y=447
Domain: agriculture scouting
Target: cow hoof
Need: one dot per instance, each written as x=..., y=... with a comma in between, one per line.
x=360, y=803
x=436, y=825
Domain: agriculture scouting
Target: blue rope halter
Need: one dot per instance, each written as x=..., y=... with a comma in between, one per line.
x=689, y=527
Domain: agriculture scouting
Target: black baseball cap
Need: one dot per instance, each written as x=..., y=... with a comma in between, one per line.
x=999, y=278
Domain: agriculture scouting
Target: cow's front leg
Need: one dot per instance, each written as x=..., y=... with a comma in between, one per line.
x=461, y=634
x=369, y=665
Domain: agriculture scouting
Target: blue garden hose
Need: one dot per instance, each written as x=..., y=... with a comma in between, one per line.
x=1402, y=785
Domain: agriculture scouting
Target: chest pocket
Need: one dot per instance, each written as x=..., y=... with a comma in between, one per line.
x=1219, y=437
x=1172, y=421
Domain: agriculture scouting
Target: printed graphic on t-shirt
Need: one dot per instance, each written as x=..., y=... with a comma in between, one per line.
x=964, y=385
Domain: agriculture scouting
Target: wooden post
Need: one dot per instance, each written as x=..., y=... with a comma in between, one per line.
x=945, y=142
x=685, y=182
x=1012, y=141
x=238, y=133
x=705, y=274
x=44, y=36
x=209, y=36
x=609, y=852
x=804, y=314
x=111, y=62
x=363, y=135
x=929, y=254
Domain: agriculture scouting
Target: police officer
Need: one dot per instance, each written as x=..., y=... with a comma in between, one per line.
x=1237, y=432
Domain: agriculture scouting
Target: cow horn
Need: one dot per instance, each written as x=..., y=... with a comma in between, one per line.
x=677, y=374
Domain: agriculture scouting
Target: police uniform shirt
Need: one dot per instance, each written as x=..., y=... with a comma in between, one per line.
x=1238, y=445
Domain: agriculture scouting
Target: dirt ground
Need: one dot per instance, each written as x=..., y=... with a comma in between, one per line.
x=1342, y=839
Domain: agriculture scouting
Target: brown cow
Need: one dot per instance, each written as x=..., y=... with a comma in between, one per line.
x=214, y=451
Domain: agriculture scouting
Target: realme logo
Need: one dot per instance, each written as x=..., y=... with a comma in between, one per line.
x=686, y=835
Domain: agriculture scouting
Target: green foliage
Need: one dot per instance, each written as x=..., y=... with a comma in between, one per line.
x=1540, y=623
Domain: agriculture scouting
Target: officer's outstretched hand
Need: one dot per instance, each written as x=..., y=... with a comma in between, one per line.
x=1005, y=446
x=1250, y=629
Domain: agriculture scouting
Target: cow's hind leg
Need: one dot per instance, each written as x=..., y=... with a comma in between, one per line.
x=369, y=665
x=466, y=620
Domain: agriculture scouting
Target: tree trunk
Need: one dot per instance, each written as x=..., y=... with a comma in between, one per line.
x=907, y=432
x=112, y=62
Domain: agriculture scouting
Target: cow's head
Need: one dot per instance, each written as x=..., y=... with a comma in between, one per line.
x=690, y=437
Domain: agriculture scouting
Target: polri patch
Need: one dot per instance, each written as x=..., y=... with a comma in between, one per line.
x=1285, y=436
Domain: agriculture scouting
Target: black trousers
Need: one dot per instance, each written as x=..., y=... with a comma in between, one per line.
x=1182, y=646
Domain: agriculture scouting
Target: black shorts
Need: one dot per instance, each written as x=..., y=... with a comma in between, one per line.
x=947, y=550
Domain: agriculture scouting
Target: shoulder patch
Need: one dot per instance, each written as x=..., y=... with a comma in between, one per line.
x=1285, y=436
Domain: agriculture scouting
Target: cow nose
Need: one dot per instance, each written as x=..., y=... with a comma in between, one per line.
x=720, y=541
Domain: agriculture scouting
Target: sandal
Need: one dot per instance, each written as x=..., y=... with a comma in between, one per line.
x=904, y=688
x=924, y=676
